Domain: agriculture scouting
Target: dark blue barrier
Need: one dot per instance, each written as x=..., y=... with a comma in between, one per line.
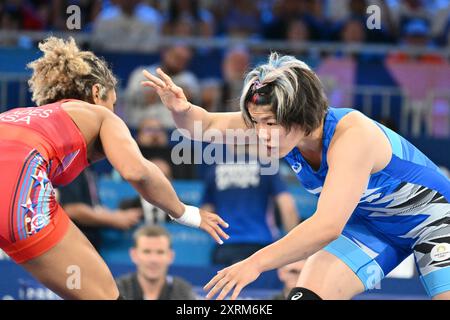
x=14, y=60
x=15, y=283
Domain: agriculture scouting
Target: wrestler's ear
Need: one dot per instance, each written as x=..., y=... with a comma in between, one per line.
x=96, y=93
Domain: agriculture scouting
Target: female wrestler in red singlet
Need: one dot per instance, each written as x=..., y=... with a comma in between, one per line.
x=48, y=146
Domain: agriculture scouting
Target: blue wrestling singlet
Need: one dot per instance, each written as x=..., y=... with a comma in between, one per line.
x=405, y=209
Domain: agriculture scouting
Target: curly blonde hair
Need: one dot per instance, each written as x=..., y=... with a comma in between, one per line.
x=64, y=71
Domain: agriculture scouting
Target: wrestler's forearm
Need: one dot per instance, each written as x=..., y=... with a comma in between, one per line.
x=193, y=116
x=303, y=241
x=157, y=189
x=197, y=121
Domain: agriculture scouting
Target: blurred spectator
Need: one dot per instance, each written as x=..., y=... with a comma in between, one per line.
x=89, y=11
x=146, y=103
x=152, y=140
x=187, y=18
x=416, y=33
x=45, y=13
x=181, y=28
x=408, y=10
x=19, y=15
x=9, y=20
x=356, y=10
x=288, y=275
x=210, y=94
x=297, y=31
x=164, y=166
x=346, y=9
x=81, y=202
x=151, y=133
x=242, y=19
x=441, y=23
x=288, y=14
x=127, y=25
x=353, y=31
x=316, y=20
x=160, y=155
x=152, y=214
x=152, y=254
x=244, y=197
x=389, y=29
x=445, y=38
x=342, y=12
x=234, y=67
x=432, y=13
x=276, y=20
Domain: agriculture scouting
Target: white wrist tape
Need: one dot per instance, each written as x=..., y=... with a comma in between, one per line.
x=191, y=217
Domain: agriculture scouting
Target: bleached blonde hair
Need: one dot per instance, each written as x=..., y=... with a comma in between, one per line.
x=290, y=87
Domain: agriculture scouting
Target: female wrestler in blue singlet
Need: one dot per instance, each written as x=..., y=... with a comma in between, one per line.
x=380, y=198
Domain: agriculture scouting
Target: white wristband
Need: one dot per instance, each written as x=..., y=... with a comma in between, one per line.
x=191, y=217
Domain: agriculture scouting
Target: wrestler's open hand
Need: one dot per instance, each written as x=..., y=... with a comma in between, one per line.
x=212, y=223
x=234, y=277
x=172, y=96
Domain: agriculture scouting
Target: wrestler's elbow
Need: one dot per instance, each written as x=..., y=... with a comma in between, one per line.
x=327, y=228
x=136, y=173
x=333, y=235
x=330, y=234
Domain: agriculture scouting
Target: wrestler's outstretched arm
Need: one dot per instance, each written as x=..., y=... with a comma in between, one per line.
x=184, y=113
x=123, y=152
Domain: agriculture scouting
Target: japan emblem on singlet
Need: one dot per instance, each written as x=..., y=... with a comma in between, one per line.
x=297, y=167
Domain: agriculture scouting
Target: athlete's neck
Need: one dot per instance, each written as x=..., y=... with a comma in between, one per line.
x=312, y=143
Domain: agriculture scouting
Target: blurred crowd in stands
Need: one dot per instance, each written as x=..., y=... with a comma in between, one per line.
x=137, y=25
x=416, y=22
